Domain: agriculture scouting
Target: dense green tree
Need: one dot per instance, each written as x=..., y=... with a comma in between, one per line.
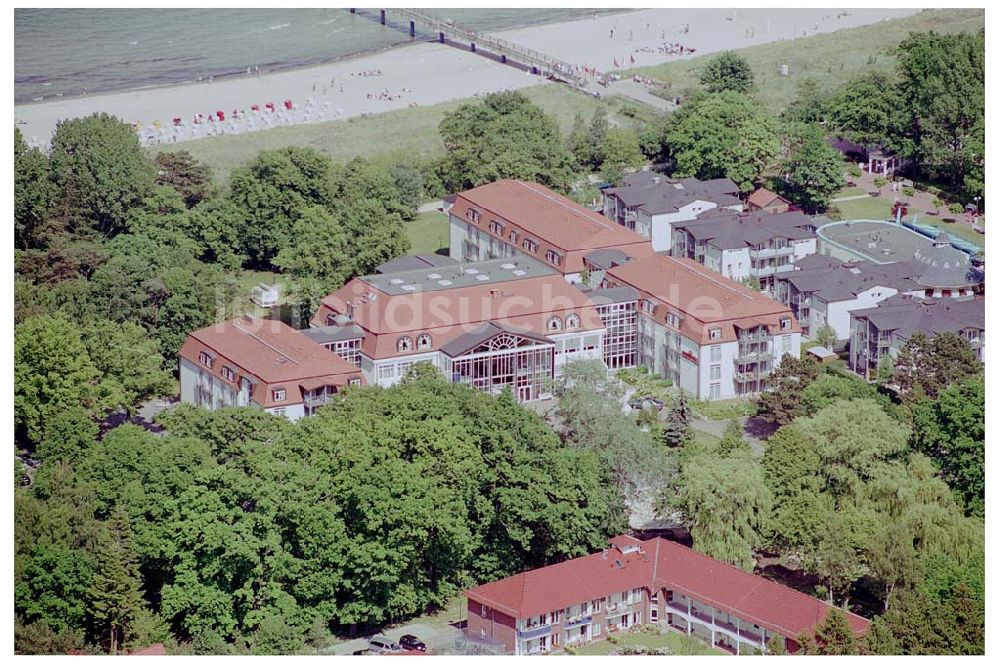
x=52, y=373
x=676, y=428
x=724, y=501
x=926, y=365
x=40, y=638
x=361, y=179
x=273, y=191
x=189, y=177
x=621, y=153
x=781, y=401
x=503, y=135
x=115, y=596
x=33, y=191
x=867, y=111
x=811, y=170
x=942, y=80
x=375, y=235
x=216, y=226
x=727, y=71
x=833, y=636
x=951, y=430
x=721, y=135
x=776, y=645
x=68, y=434
x=317, y=260
x=129, y=362
x=100, y=170
x=810, y=104
x=732, y=439
x=589, y=416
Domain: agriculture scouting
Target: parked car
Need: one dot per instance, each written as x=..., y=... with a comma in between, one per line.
x=646, y=403
x=382, y=645
x=411, y=642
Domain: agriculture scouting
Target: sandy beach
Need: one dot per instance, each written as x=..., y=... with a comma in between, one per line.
x=426, y=73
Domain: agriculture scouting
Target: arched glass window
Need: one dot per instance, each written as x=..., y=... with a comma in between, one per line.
x=404, y=344
x=572, y=321
x=423, y=341
x=555, y=324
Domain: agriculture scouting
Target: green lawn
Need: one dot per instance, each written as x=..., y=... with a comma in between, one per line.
x=717, y=410
x=872, y=208
x=831, y=58
x=428, y=233
x=394, y=136
x=674, y=642
x=878, y=208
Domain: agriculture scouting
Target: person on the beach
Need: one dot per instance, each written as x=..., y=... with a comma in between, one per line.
x=612, y=33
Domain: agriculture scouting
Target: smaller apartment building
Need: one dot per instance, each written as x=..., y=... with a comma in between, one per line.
x=503, y=323
x=636, y=583
x=879, y=333
x=511, y=218
x=650, y=203
x=709, y=335
x=759, y=244
x=263, y=363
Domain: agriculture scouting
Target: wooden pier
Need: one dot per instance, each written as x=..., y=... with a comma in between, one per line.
x=479, y=42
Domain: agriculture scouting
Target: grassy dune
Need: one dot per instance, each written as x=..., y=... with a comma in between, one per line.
x=393, y=136
x=831, y=58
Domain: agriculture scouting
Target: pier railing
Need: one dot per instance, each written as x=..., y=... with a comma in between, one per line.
x=546, y=64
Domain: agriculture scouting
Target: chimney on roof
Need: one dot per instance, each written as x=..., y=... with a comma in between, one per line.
x=604, y=553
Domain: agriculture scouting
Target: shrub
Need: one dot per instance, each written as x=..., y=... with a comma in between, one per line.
x=955, y=209
x=854, y=170
x=880, y=182
x=937, y=203
x=908, y=191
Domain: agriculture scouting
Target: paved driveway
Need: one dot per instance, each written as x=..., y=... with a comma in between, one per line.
x=439, y=640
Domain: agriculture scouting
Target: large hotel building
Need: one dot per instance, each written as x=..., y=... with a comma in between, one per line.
x=534, y=281
x=634, y=583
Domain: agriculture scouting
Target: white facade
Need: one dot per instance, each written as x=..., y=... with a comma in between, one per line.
x=202, y=389
x=659, y=228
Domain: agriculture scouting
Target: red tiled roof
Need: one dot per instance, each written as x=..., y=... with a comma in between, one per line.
x=764, y=197
x=704, y=297
x=272, y=353
x=659, y=564
x=154, y=649
x=550, y=219
x=447, y=314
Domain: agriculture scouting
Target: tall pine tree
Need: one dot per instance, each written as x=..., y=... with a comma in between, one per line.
x=115, y=595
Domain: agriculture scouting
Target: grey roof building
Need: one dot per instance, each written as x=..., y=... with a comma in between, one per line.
x=648, y=202
x=881, y=331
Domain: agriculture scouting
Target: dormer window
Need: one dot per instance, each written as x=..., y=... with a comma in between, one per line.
x=553, y=257
x=206, y=359
x=423, y=341
x=278, y=395
x=529, y=245
x=473, y=215
x=513, y=236
x=648, y=306
x=228, y=373
x=496, y=227
x=715, y=334
x=572, y=321
x=786, y=324
x=555, y=324
x=673, y=320
x=404, y=344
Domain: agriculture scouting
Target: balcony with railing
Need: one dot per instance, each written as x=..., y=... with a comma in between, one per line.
x=767, y=252
x=536, y=631
x=577, y=620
